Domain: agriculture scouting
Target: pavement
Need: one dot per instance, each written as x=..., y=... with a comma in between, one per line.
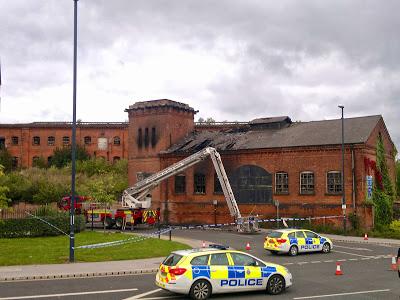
x=127, y=267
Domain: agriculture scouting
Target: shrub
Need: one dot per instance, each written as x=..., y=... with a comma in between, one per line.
x=33, y=227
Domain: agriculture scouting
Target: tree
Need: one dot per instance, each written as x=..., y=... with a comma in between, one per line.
x=383, y=193
x=4, y=200
x=63, y=156
x=5, y=160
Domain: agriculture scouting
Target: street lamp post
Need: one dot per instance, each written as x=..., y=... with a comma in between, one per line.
x=72, y=208
x=343, y=182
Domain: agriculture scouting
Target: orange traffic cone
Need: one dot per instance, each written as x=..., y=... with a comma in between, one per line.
x=365, y=237
x=394, y=264
x=248, y=246
x=338, y=270
x=204, y=244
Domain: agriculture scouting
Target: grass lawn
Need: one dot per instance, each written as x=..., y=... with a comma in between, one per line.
x=54, y=250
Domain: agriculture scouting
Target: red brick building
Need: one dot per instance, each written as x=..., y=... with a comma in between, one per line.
x=268, y=159
x=30, y=141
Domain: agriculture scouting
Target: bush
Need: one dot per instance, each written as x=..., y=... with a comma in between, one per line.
x=33, y=227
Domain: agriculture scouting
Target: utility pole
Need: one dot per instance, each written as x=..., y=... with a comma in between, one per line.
x=343, y=182
x=72, y=211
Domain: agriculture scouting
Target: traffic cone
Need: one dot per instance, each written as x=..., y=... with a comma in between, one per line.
x=338, y=270
x=248, y=246
x=365, y=237
x=204, y=244
x=394, y=264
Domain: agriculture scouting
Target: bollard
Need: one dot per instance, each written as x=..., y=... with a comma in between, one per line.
x=170, y=233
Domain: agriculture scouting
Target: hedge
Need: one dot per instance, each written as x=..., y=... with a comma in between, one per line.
x=32, y=227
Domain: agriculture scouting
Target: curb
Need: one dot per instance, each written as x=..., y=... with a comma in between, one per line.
x=80, y=275
x=367, y=242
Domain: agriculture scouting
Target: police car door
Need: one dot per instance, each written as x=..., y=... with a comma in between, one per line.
x=301, y=241
x=312, y=239
x=247, y=272
x=219, y=264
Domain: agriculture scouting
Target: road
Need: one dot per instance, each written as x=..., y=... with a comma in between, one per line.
x=366, y=269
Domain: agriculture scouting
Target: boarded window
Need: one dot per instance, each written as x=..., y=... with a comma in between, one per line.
x=306, y=183
x=199, y=183
x=14, y=140
x=117, y=141
x=51, y=140
x=140, y=138
x=36, y=140
x=87, y=140
x=281, y=183
x=180, y=184
x=65, y=140
x=217, y=185
x=153, y=137
x=334, y=182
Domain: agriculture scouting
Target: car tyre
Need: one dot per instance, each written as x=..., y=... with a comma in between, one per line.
x=200, y=290
x=326, y=248
x=273, y=252
x=108, y=223
x=293, y=251
x=118, y=223
x=276, y=285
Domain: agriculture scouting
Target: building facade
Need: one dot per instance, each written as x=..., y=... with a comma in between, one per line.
x=270, y=162
x=31, y=141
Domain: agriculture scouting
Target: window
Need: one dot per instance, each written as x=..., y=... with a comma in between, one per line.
x=291, y=235
x=14, y=162
x=2, y=142
x=14, y=140
x=180, y=184
x=153, y=137
x=35, y=161
x=146, y=137
x=245, y=260
x=65, y=140
x=117, y=141
x=49, y=160
x=87, y=140
x=306, y=183
x=334, y=182
x=200, y=260
x=281, y=183
x=311, y=234
x=199, y=183
x=300, y=235
x=116, y=158
x=51, y=140
x=36, y=141
x=217, y=185
x=219, y=259
x=172, y=260
x=140, y=138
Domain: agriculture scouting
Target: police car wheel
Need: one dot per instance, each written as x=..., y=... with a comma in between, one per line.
x=200, y=290
x=273, y=252
x=326, y=248
x=293, y=251
x=276, y=285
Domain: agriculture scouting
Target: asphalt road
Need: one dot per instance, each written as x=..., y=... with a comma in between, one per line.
x=366, y=269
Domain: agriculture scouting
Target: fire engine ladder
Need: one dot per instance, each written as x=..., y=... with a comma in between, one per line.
x=132, y=196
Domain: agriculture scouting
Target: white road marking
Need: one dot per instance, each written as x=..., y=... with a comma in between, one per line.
x=142, y=295
x=353, y=254
x=68, y=294
x=342, y=260
x=329, y=261
x=288, y=264
x=302, y=262
x=316, y=262
x=164, y=297
x=361, y=249
x=353, y=259
x=343, y=294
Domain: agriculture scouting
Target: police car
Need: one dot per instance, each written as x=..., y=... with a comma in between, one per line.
x=206, y=271
x=294, y=241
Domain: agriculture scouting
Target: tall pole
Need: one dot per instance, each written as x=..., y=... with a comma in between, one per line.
x=343, y=182
x=72, y=221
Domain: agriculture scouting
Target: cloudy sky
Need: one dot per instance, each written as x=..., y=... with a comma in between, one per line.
x=231, y=60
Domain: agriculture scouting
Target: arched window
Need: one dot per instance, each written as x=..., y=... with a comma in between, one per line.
x=153, y=137
x=140, y=138
x=146, y=137
x=117, y=141
x=36, y=140
x=87, y=140
x=307, y=182
x=281, y=183
x=65, y=140
x=51, y=140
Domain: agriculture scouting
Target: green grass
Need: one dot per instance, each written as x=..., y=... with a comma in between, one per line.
x=54, y=250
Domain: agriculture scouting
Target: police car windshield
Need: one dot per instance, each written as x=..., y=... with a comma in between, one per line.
x=275, y=234
x=172, y=260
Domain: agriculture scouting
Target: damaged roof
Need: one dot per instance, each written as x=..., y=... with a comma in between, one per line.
x=160, y=103
x=314, y=133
